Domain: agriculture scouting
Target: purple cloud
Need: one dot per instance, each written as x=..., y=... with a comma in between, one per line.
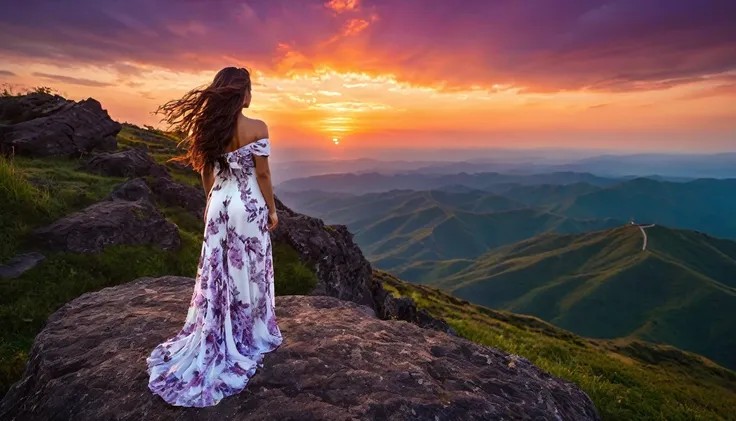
x=72, y=80
x=600, y=45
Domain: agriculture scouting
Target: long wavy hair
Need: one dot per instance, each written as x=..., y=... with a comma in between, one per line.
x=208, y=116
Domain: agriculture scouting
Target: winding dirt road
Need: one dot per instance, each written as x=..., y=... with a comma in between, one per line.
x=644, y=233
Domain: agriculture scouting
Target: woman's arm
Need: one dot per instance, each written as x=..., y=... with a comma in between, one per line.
x=263, y=170
x=263, y=175
x=208, y=180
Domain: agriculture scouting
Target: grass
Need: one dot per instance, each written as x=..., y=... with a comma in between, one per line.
x=20, y=204
x=292, y=275
x=603, y=285
x=627, y=380
x=35, y=192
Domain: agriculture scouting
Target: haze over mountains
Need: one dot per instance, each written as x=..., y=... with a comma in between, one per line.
x=562, y=246
x=292, y=164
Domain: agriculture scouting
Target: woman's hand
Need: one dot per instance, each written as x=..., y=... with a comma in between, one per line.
x=273, y=218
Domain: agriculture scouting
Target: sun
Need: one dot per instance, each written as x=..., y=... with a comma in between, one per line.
x=336, y=141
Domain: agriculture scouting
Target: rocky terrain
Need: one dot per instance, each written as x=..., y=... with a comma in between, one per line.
x=338, y=362
x=349, y=353
x=40, y=124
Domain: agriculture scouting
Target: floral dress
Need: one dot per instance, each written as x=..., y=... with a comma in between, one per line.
x=232, y=320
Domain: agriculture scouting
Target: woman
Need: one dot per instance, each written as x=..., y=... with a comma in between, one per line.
x=231, y=321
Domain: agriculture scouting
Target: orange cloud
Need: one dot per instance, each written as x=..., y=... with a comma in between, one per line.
x=323, y=67
x=340, y=6
x=354, y=27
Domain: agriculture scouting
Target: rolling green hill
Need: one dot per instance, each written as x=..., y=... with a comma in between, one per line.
x=627, y=379
x=680, y=291
x=400, y=227
x=706, y=205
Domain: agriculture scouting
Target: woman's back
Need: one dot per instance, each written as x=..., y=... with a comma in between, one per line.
x=231, y=321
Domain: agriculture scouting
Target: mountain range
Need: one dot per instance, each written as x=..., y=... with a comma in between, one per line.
x=299, y=163
x=704, y=204
x=379, y=182
x=680, y=290
x=568, y=253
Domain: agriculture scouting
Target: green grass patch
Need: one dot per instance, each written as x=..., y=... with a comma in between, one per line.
x=26, y=302
x=20, y=204
x=35, y=192
x=640, y=382
x=291, y=275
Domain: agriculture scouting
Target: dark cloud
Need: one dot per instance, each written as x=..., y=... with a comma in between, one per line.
x=7, y=73
x=72, y=80
x=603, y=45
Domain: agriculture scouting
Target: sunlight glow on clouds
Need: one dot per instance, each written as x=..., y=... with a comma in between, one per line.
x=380, y=73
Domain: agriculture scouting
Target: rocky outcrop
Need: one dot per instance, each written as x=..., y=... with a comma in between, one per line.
x=128, y=163
x=20, y=264
x=132, y=190
x=171, y=193
x=341, y=268
x=17, y=109
x=338, y=262
x=166, y=191
x=337, y=362
x=48, y=125
x=112, y=222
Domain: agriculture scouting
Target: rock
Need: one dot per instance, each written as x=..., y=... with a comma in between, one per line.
x=127, y=163
x=20, y=264
x=339, y=264
x=17, y=109
x=166, y=190
x=336, y=363
x=341, y=268
x=172, y=193
x=181, y=167
x=108, y=223
x=131, y=190
x=48, y=125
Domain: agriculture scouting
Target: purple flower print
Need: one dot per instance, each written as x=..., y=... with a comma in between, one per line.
x=236, y=255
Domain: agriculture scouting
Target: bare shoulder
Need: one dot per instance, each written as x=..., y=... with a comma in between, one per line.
x=252, y=129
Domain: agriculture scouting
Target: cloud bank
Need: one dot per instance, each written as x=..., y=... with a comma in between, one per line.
x=594, y=45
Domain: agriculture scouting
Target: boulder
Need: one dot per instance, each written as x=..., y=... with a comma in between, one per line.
x=337, y=362
x=20, y=264
x=47, y=125
x=178, y=166
x=116, y=222
x=339, y=264
x=17, y=109
x=172, y=193
x=128, y=163
x=341, y=268
x=131, y=190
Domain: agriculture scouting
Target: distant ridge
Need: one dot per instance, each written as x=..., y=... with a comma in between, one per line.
x=375, y=182
x=681, y=290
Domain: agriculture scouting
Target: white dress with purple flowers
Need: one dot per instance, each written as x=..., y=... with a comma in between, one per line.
x=232, y=320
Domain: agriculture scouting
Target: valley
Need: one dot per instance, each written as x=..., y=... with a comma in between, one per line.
x=641, y=258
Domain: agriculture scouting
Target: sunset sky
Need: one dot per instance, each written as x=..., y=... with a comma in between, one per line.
x=629, y=74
